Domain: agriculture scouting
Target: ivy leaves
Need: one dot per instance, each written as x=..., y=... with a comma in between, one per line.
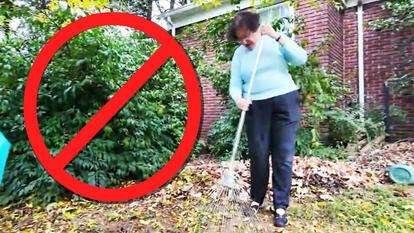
x=401, y=16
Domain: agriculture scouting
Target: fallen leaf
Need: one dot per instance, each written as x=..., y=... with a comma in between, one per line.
x=385, y=221
x=187, y=187
x=326, y=197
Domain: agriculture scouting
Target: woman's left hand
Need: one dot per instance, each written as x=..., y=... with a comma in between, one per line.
x=268, y=30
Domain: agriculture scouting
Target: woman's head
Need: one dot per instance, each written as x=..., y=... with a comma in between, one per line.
x=244, y=28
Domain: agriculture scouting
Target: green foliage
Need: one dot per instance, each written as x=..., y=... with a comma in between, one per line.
x=215, y=37
x=207, y=4
x=330, y=152
x=347, y=126
x=78, y=81
x=220, y=137
x=401, y=86
x=401, y=16
x=320, y=90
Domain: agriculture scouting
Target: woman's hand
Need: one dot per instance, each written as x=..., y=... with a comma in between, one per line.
x=268, y=30
x=243, y=104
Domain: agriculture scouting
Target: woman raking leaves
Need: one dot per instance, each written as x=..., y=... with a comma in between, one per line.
x=273, y=110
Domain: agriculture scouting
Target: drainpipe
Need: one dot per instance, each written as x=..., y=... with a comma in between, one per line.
x=386, y=92
x=361, y=87
x=172, y=26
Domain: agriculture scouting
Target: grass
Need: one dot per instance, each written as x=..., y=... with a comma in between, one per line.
x=376, y=209
x=385, y=209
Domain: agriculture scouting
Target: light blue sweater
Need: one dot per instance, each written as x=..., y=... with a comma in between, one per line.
x=272, y=75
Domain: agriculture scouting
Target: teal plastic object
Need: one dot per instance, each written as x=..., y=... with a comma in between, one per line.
x=401, y=174
x=4, y=153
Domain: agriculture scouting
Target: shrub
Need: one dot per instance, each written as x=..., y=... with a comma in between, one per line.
x=221, y=137
x=347, y=126
x=79, y=80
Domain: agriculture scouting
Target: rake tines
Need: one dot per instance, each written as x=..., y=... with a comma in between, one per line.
x=227, y=208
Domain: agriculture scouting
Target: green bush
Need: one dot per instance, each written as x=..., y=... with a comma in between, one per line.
x=347, y=126
x=79, y=80
x=303, y=142
x=220, y=138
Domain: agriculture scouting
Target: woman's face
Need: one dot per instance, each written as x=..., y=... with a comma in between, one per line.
x=247, y=37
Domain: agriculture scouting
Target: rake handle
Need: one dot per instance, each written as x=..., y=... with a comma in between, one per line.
x=243, y=113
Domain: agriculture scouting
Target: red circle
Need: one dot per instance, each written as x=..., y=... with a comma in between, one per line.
x=193, y=117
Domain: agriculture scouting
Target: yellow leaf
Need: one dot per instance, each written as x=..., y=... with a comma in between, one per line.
x=287, y=3
x=54, y=4
x=320, y=204
x=70, y=213
x=26, y=231
x=366, y=208
x=167, y=202
x=144, y=222
x=73, y=229
x=62, y=204
x=411, y=221
x=113, y=216
x=39, y=208
x=385, y=221
x=179, y=223
x=216, y=2
x=91, y=223
x=38, y=216
x=66, y=23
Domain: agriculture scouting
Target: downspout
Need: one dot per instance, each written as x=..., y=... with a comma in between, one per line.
x=361, y=87
x=386, y=92
x=168, y=19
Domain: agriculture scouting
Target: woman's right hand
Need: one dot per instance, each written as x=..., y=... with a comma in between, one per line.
x=243, y=104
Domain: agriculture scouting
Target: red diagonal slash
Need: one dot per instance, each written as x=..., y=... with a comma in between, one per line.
x=115, y=104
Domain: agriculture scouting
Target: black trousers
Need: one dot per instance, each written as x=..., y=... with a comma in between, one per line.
x=271, y=126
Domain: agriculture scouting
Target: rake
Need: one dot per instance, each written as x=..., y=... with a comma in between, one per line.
x=226, y=197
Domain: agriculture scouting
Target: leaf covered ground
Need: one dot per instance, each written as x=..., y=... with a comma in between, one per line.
x=327, y=196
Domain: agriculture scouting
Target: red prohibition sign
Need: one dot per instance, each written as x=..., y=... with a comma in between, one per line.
x=55, y=165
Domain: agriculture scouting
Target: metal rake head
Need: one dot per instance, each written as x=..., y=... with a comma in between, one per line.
x=228, y=180
x=227, y=207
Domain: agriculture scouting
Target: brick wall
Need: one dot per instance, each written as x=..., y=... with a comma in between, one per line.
x=316, y=25
x=211, y=102
x=385, y=54
x=335, y=29
x=323, y=22
x=350, y=52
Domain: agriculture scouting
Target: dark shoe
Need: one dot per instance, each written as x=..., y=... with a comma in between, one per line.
x=280, y=218
x=256, y=206
x=252, y=210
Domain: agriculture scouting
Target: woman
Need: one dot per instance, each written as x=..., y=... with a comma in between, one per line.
x=273, y=111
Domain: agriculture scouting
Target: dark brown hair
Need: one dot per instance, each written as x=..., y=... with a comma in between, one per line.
x=243, y=20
